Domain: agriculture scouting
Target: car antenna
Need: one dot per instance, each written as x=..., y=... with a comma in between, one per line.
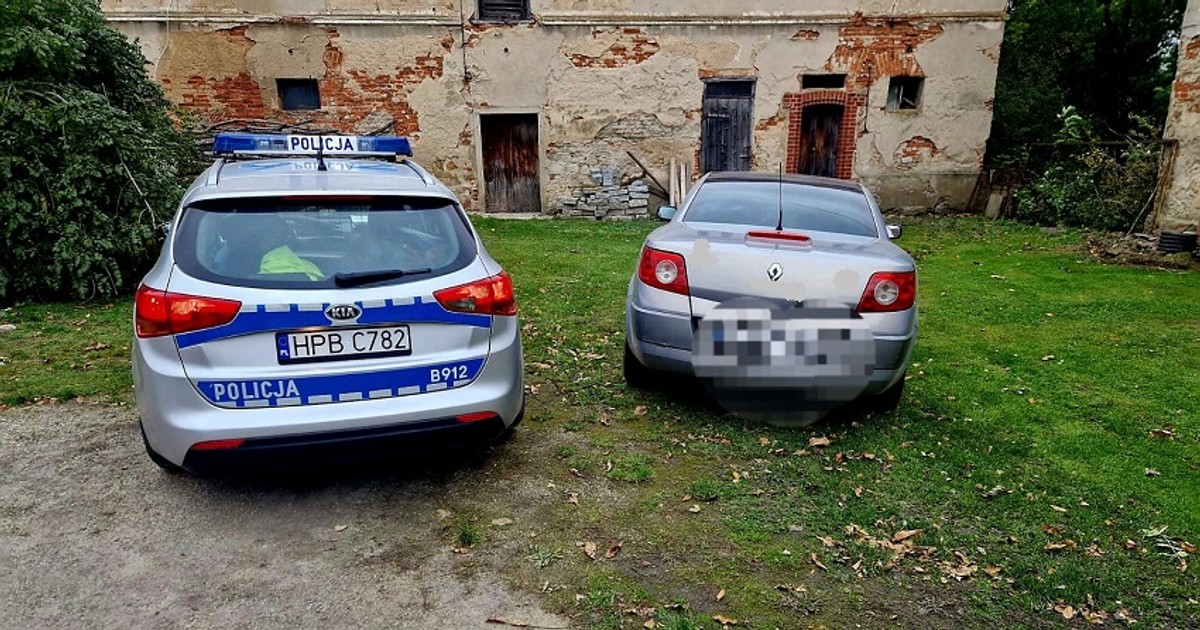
x=321, y=153
x=779, y=225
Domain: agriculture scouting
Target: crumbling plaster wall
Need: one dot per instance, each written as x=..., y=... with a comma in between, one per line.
x=1181, y=209
x=601, y=87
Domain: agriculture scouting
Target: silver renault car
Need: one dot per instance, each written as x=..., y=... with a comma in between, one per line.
x=321, y=297
x=784, y=294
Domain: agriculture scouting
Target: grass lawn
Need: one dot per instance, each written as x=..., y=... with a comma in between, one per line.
x=1044, y=464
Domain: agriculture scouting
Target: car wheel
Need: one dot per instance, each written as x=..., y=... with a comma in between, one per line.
x=159, y=460
x=636, y=375
x=889, y=400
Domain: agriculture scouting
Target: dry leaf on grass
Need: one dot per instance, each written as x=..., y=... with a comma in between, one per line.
x=818, y=442
x=613, y=550
x=725, y=621
x=589, y=548
x=640, y=410
x=720, y=594
x=813, y=557
x=905, y=534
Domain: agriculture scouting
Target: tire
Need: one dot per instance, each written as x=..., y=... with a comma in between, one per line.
x=889, y=400
x=159, y=460
x=636, y=375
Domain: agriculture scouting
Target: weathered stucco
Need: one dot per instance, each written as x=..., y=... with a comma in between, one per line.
x=1181, y=209
x=604, y=76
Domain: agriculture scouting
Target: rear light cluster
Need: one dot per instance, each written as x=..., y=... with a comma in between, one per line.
x=663, y=270
x=158, y=313
x=490, y=296
x=888, y=292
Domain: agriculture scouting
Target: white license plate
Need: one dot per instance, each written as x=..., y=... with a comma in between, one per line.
x=340, y=345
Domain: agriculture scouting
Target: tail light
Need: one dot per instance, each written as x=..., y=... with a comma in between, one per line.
x=490, y=296
x=888, y=292
x=787, y=237
x=663, y=270
x=158, y=313
x=478, y=416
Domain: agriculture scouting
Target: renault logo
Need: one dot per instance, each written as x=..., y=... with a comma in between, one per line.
x=775, y=272
x=343, y=312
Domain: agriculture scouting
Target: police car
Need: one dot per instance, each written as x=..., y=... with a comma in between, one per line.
x=321, y=296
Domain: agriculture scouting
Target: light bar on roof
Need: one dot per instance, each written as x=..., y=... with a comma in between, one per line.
x=310, y=144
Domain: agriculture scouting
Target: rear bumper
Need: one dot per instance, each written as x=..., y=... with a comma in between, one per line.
x=175, y=416
x=662, y=341
x=344, y=447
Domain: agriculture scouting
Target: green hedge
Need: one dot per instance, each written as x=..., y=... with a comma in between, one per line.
x=91, y=155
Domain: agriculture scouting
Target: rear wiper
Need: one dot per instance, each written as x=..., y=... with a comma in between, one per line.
x=359, y=278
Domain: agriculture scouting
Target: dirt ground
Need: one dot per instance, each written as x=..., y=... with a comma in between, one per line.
x=93, y=535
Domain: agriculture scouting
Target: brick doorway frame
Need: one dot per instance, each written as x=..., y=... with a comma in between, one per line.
x=847, y=135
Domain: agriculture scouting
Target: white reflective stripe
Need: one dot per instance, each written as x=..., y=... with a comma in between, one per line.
x=248, y=308
x=323, y=398
x=405, y=301
x=380, y=393
x=374, y=304
x=278, y=308
x=262, y=402
x=287, y=402
x=349, y=396
x=312, y=307
x=435, y=387
x=404, y=391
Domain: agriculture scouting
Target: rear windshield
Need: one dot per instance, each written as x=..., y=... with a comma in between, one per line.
x=315, y=243
x=804, y=207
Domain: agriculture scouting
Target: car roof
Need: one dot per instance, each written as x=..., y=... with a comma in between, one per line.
x=788, y=178
x=291, y=176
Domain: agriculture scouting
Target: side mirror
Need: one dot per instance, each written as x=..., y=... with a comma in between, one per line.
x=894, y=231
x=165, y=228
x=666, y=213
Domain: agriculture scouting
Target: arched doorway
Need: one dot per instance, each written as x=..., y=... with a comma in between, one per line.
x=820, y=139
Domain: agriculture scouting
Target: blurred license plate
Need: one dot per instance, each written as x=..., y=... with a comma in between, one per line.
x=340, y=345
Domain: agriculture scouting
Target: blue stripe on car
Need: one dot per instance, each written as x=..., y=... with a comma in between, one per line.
x=262, y=320
x=315, y=390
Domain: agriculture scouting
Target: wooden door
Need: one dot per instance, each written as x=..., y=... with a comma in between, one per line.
x=819, y=135
x=727, y=131
x=510, y=162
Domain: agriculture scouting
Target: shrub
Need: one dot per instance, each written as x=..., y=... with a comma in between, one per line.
x=1088, y=185
x=91, y=157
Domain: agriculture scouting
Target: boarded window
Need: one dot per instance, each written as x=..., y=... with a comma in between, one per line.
x=298, y=94
x=905, y=92
x=503, y=10
x=823, y=81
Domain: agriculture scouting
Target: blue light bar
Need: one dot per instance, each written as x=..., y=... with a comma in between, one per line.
x=310, y=144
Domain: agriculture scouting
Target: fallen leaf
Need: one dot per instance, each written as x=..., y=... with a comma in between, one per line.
x=1058, y=509
x=1150, y=472
x=589, y=548
x=1067, y=611
x=613, y=550
x=992, y=571
x=818, y=442
x=1048, y=357
x=502, y=522
x=720, y=594
x=725, y=621
x=650, y=624
x=505, y=622
x=640, y=410
x=573, y=498
x=828, y=541
x=97, y=346
x=1129, y=544
x=695, y=509
x=608, y=466
x=904, y=535
x=340, y=528
x=764, y=441
x=816, y=561
x=858, y=491
x=443, y=514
